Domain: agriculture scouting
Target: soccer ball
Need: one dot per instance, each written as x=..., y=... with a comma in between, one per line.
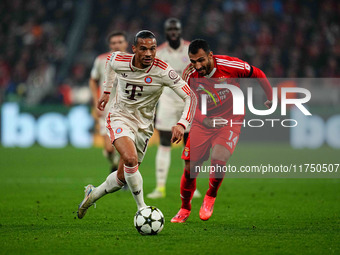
x=149, y=220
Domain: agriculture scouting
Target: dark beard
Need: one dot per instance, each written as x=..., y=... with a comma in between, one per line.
x=208, y=68
x=174, y=43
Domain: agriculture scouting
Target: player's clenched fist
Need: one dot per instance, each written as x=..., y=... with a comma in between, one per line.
x=177, y=133
x=103, y=101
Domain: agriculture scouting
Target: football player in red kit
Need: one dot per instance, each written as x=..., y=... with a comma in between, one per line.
x=202, y=74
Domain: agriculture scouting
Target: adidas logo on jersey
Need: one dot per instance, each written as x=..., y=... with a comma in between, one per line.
x=124, y=75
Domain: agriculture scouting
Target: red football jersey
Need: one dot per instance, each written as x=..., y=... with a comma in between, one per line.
x=219, y=101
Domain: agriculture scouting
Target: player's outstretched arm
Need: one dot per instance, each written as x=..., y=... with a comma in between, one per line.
x=110, y=78
x=182, y=89
x=267, y=88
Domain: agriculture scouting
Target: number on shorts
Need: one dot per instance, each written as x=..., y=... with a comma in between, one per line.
x=231, y=134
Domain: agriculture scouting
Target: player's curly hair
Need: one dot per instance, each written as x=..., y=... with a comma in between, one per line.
x=197, y=44
x=143, y=34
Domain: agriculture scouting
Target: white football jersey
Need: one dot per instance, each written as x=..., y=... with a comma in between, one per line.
x=138, y=90
x=179, y=60
x=98, y=70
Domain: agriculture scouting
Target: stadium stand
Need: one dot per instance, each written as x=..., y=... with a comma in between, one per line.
x=283, y=38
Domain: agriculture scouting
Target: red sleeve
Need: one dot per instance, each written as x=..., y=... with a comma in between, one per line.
x=257, y=73
x=238, y=67
x=242, y=69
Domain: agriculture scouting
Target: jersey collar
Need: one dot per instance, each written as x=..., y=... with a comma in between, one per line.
x=135, y=69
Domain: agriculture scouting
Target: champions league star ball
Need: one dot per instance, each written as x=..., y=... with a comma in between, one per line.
x=149, y=221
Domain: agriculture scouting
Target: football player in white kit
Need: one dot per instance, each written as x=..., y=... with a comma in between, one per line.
x=117, y=42
x=170, y=106
x=141, y=79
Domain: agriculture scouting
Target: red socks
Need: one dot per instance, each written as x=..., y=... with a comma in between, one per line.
x=216, y=179
x=188, y=187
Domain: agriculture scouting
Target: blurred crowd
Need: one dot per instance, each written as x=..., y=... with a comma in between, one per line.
x=32, y=47
x=283, y=38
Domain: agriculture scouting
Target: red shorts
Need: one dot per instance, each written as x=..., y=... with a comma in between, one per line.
x=203, y=139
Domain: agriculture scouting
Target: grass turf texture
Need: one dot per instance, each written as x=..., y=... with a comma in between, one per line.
x=41, y=190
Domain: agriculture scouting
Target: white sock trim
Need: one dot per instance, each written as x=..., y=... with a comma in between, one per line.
x=130, y=169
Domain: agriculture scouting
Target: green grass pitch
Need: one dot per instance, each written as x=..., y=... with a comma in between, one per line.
x=41, y=189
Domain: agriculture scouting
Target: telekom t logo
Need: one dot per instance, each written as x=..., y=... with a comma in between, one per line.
x=133, y=91
x=238, y=100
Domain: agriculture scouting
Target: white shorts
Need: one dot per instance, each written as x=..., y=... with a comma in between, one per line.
x=168, y=115
x=117, y=128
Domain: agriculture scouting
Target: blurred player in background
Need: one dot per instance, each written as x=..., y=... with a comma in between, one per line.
x=170, y=106
x=204, y=134
x=141, y=79
x=117, y=41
